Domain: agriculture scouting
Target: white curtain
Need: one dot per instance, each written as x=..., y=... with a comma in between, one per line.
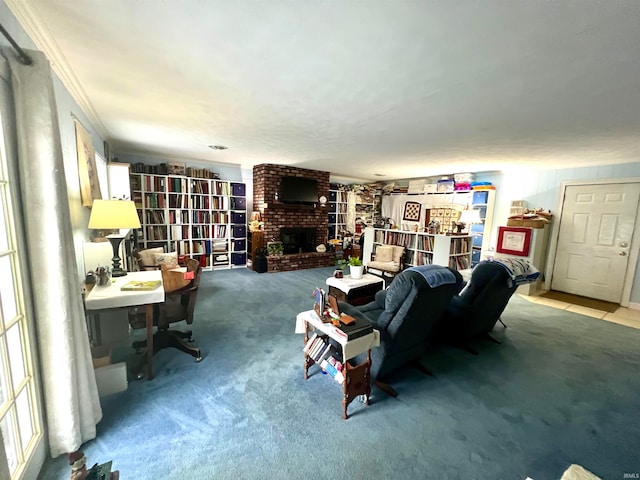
x=72, y=405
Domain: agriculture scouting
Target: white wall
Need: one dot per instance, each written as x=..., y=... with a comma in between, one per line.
x=542, y=189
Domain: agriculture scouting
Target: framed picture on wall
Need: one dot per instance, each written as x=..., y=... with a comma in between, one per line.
x=514, y=240
x=412, y=211
x=87, y=169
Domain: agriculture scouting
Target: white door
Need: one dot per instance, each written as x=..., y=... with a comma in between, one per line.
x=595, y=235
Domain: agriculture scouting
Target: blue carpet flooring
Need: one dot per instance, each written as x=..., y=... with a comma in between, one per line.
x=562, y=388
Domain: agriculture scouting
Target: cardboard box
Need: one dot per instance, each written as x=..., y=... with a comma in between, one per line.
x=111, y=379
x=101, y=355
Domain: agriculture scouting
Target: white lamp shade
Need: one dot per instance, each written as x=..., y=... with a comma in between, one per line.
x=470, y=216
x=113, y=215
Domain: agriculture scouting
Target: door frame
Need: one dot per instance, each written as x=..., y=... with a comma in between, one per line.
x=634, y=248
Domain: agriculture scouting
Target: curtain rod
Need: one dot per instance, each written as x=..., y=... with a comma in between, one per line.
x=22, y=57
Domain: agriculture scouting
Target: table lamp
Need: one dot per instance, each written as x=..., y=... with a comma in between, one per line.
x=114, y=215
x=469, y=217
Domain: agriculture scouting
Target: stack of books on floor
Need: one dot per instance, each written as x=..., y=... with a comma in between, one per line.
x=323, y=353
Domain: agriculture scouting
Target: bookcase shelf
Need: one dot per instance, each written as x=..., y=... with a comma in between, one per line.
x=354, y=379
x=202, y=218
x=367, y=206
x=422, y=248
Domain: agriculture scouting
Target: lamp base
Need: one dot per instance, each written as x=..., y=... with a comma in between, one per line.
x=116, y=271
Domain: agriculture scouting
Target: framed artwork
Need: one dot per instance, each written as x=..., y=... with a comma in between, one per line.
x=87, y=169
x=514, y=240
x=412, y=211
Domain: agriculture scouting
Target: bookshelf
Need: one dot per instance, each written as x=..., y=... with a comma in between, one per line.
x=337, y=211
x=200, y=217
x=422, y=248
x=367, y=207
x=482, y=200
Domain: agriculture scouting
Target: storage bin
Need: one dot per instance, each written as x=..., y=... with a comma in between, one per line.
x=238, y=203
x=239, y=245
x=238, y=258
x=480, y=197
x=237, y=217
x=239, y=231
x=238, y=189
x=445, y=186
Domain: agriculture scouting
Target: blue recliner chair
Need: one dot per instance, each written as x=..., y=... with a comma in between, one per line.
x=406, y=314
x=478, y=307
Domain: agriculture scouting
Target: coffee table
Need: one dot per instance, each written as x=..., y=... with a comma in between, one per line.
x=355, y=291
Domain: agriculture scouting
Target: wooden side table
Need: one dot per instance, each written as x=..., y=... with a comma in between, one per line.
x=357, y=379
x=355, y=291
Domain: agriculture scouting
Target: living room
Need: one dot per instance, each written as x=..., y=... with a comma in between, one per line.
x=245, y=411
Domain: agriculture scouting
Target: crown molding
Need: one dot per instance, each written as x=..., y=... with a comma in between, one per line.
x=27, y=15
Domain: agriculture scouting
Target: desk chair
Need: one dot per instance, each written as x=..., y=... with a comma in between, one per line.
x=179, y=305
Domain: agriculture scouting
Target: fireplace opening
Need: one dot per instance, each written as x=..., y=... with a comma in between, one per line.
x=298, y=240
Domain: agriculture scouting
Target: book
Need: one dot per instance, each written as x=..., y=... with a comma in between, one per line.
x=356, y=329
x=309, y=343
x=139, y=285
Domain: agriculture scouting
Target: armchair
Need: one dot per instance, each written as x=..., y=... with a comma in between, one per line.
x=478, y=307
x=179, y=305
x=386, y=261
x=406, y=315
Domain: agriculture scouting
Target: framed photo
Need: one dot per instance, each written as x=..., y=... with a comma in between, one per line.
x=514, y=240
x=412, y=211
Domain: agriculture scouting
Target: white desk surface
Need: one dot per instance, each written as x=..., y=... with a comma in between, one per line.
x=347, y=283
x=349, y=349
x=110, y=296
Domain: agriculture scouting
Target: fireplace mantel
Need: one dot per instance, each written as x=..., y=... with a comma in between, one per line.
x=294, y=206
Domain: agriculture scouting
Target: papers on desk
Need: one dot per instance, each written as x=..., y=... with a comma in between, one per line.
x=141, y=285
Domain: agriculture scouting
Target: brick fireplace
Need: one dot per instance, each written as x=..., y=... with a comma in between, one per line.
x=276, y=215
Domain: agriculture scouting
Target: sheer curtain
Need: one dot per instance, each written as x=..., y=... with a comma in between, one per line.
x=72, y=405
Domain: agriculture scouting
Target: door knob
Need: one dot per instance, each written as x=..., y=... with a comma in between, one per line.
x=623, y=244
x=622, y=254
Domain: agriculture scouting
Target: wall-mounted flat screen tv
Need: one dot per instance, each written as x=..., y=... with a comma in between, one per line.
x=298, y=190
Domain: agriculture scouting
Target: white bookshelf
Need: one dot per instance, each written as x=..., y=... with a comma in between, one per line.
x=422, y=248
x=202, y=218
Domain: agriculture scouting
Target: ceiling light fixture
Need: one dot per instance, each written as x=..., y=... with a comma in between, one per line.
x=218, y=147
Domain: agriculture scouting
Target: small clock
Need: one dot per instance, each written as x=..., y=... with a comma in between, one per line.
x=323, y=199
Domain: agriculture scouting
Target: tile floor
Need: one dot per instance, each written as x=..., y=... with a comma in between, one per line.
x=622, y=316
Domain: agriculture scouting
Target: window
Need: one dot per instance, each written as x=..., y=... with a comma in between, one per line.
x=20, y=416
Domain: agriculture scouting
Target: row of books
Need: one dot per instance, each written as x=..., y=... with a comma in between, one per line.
x=460, y=263
x=163, y=169
x=460, y=245
x=322, y=352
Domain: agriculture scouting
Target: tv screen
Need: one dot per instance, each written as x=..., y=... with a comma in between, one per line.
x=298, y=190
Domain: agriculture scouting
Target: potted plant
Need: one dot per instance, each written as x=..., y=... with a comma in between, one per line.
x=355, y=267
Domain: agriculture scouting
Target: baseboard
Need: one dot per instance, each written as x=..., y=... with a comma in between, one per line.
x=634, y=306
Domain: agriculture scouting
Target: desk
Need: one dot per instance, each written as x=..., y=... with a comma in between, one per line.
x=357, y=379
x=110, y=296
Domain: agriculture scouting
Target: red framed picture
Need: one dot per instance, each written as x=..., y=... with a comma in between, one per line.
x=514, y=240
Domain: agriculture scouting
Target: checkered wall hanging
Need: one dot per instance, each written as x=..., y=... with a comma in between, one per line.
x=412, y=211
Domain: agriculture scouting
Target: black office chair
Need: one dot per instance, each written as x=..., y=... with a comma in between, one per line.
x=406, y=314
x=179, y=305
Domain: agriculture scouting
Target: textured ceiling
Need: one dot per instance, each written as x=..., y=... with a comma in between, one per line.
x=402, y=88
